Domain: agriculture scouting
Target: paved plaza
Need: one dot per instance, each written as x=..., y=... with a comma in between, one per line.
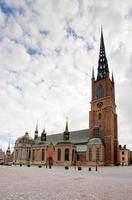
x=33, y=183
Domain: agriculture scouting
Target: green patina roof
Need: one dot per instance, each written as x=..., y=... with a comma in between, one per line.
x=95, y=141
x=81, y=148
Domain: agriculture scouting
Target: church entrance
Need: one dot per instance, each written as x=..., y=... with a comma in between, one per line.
x=50, y=161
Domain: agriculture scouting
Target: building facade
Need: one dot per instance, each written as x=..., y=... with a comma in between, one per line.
x=96, y=145
x=125, y=155
x=2, y=156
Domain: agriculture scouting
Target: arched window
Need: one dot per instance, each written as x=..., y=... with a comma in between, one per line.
x=99, y=116
x=73, y=153
x=100, y=91
x=29, y=154
x=66, y=154
x=33, y=156
x=59, y=154
x=97, y=154
x=90, y=154
x=43, y=154
x=78, y=157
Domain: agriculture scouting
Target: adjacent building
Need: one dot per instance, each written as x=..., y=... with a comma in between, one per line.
x=96, y=145
x=2, y=156
x=125, y=155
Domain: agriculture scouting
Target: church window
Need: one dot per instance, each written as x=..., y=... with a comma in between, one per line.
x=90, y=154
x=100, y=116
x=78, y=157
x=66, y=154
x=73, y=152
x=43, y=154
x=59, y=154
x=33, y=157
x=96, y=132
x=29, y=154
x=97, y=154
x=100, y=91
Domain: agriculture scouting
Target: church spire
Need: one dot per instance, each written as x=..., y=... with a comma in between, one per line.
x=66, y=128
x=43, y=135
x=112, y=78
x=36, y=131
x=66, y=132
x=93, y=77
x=102, y=62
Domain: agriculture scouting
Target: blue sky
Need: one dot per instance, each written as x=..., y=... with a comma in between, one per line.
x=47, y=51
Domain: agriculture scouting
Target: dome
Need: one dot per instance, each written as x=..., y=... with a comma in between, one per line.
x=26, y=139
x=95, y=141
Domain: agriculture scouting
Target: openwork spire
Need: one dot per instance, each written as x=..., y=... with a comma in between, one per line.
x=102, y=63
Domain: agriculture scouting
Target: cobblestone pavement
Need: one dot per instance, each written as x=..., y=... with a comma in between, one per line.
x=33, y=183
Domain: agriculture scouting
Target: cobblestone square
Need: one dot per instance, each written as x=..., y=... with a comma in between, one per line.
x=33, y=183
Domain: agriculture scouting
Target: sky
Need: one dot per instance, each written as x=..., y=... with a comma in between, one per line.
x=47, y=51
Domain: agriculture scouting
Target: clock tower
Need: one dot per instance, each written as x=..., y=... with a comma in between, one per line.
x=103, y=117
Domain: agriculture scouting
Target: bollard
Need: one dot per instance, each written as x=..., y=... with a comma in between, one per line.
x=66, y=167
x=79, y=168
x=89, y=168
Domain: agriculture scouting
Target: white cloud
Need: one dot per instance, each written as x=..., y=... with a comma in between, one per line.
x=47, y=50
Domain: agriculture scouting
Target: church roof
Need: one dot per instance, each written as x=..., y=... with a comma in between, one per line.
x=76, y=137
x=24, y=139
x=81, y=147
x=95, y=141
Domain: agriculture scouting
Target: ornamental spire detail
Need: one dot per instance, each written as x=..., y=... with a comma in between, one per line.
x=102, y=62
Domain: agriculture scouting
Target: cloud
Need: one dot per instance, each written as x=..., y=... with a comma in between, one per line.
x=47, y=50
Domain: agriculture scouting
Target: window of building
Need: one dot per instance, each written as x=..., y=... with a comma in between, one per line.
x=43, y=154
x=90, y=154
x=59, y=154
x=78, y=157
x=73, y=154
x=122, y=152
x=66, y=154
x=123, y=158
x=99, y=116
x=29, y=154
x=96, y=132
x=97, y=154
x=33, y=157
x=100, y=91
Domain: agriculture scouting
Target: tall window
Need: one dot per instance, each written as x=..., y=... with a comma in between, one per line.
x=96, y=132
x=59, y=154
x=66, y=154
x=43, y=154
x=90, y=154
x=33, y=157
x=78, y=157
x=97, y=154
x=73, y=154
x=99, y=116
x=29, y=154
x=100, y=91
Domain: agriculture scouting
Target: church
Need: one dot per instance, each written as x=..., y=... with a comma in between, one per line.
x=97, y=145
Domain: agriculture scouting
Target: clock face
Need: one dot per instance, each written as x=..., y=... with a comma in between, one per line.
x=100, y=104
